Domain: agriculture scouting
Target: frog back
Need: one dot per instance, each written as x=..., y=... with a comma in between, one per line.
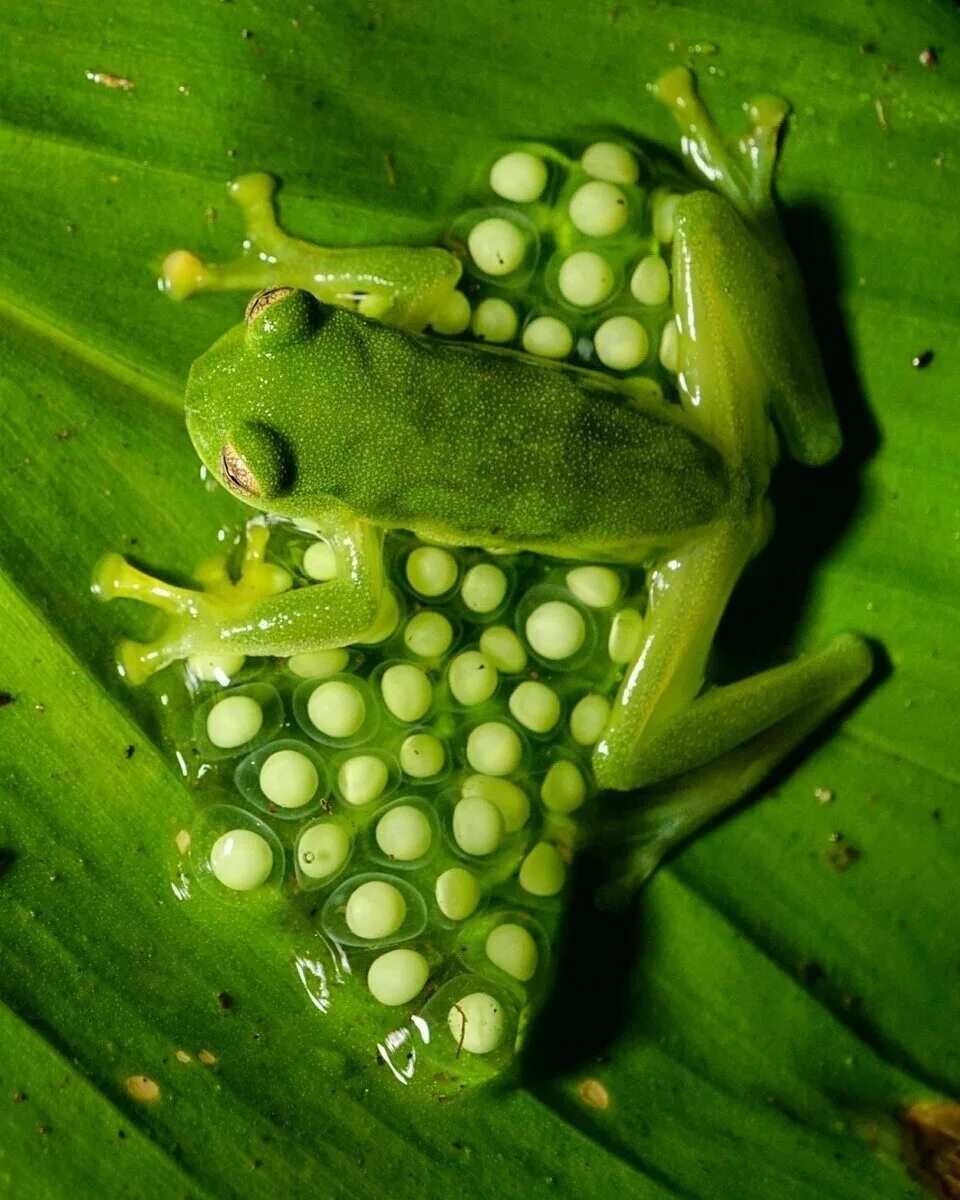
x=483, y=447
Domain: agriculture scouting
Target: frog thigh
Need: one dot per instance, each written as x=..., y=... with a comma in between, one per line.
x=722, y=747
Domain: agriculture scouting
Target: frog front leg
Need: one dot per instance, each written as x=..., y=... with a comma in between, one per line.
x=261, y=613
x=407, y=286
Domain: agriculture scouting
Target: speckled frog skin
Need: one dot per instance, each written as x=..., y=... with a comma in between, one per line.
x=327, y=404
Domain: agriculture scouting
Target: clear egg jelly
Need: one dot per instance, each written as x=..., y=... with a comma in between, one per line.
x=578, y=270
x=452, y=792
x=466, y=800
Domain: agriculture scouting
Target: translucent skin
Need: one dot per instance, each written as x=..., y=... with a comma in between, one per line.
x=315, y=413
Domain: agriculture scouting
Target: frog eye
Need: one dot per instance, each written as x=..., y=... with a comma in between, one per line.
x=279, y=316
x=255, y=463
x=236, y=474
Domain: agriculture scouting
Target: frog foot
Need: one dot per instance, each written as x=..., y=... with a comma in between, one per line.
x=743, y=173
x=406, y=286
x=197, y=617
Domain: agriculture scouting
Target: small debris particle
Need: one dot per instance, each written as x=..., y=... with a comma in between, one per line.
x=881, y=114
x=142, y=1088
x=183, y=841
x=44, y=1130
x=207, y=1057
x=111, y=81
x=922, y=360
x=255, y=1164
x=836, y=836
x=868, y=47
x=390, y=169
x=18, y=1097
x=64, y=435
x=130, y=751
x=183, y=1057
x=928, y=57
x=39, y=708
x=842, y=856
x=225, y=1001
x=6, y=698
x=825, y=795
x=932, y=1142
x=121, y=1134
x=594, y=1094
x=246, y=34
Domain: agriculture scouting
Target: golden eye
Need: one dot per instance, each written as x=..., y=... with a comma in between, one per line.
x=236, y=474
x=262, y=301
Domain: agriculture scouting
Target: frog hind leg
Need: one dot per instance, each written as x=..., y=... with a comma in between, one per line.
x=401, y=285
x=723, y=747
x=260, y=613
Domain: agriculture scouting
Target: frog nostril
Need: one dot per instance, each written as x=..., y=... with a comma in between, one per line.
x=262, y=301
x=235, y=472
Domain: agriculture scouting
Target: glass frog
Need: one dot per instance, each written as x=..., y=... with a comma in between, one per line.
x=621, y=505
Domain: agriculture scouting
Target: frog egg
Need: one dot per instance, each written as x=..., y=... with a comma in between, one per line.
x=497, y=246
x=484, y=587
x=452, y=315
x=458, y=893
x=597, y=587
x=494, y=749
x=397, y=976
x=549, y=337
x=589, y=718
x=476, y=1023
x=431, y=571
x=375, y=910
x=215, y=668
x=288, y=779
x=621, y=343
x=586, y=279
x=472, y=678
x=320, y=562
x=494, y=320
x=404, y=833
x=519, y=176
x=626, y=631
x=337, y=709
x=510, y=800
x=598, y=208
x=535, y=706
x=555, y=630
x=542, y=872
x=670, y=347
x=477, y=825
x=664, y=206
x=607, y=160
x=511, y=948
x=362, y=779
x=504, y=649
x=406, y=691
x=233, y=721
x=563, y=789
x=428, y=635
x=241, y=860
x=318, y=664
x=322, y=850
x=422, y=756
x=650, y=281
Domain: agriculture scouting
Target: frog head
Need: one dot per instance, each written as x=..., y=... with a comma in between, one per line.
x=239, y=414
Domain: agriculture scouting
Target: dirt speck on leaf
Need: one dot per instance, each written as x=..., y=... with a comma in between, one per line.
x=931, y=1130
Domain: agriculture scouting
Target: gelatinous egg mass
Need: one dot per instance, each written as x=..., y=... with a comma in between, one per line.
x=418, y=797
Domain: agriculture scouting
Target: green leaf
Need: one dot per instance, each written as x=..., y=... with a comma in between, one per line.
x=761, y=1018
